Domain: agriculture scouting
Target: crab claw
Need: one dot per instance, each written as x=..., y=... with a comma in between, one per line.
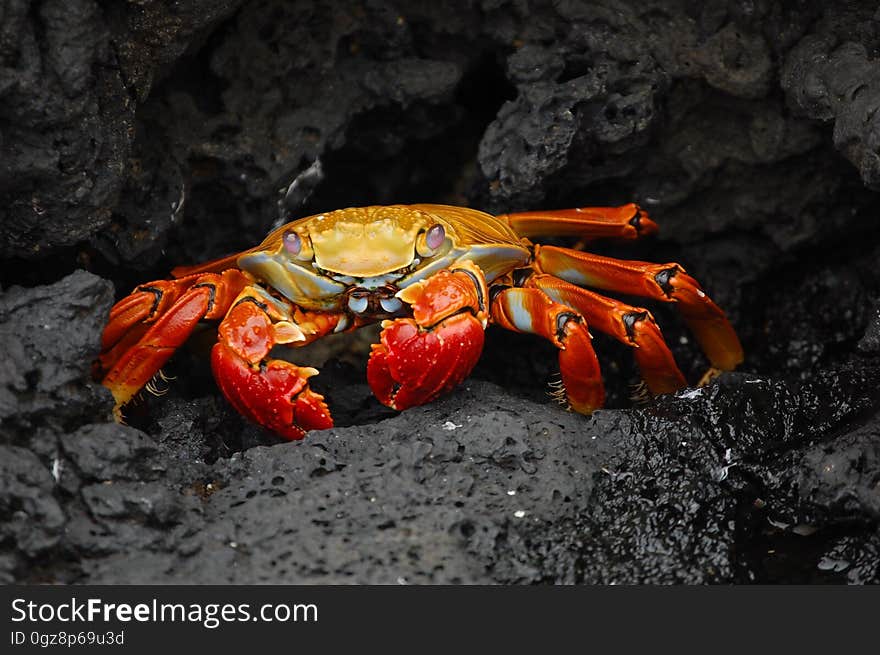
x=412, y=366
x=271, y=392
x=423, y=357
x=275, y=394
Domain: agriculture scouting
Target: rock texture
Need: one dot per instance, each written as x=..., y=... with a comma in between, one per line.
x=138, y=135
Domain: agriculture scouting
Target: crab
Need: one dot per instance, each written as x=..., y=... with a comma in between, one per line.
x=435, y=276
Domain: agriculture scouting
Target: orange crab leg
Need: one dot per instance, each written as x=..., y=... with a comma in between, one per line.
x=132, y=315
x=147, y=327
x=422, y=357
x=625, y=222
x=666, y=282
x=271, y=392
x=632, y=326
x=533, y=311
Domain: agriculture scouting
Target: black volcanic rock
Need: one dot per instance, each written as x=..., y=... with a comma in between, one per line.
x=51, y=335
x=831, y=75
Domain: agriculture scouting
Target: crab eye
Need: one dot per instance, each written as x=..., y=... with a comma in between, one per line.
x=435, y=237
x=430, y=241
x=292, y=242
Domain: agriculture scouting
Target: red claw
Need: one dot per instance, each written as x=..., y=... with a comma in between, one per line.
x=275, y=395
x=271, y=392
x=422, y=357
x=412, y=366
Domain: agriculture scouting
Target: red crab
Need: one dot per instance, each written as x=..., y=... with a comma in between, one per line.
x=435, y=275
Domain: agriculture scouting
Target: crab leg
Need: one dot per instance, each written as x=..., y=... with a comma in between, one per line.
x=534, y=311
x=132, y=316
x=666, y=282
x=422, y=357
x=632, y=326
x=271, y=392
x=146, y=327
x=625, y=222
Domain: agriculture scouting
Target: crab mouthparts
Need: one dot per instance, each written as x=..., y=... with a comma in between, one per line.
x=374, y=302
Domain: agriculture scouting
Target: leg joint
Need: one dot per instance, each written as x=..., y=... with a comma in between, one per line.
x=562, y=319
x=481, y=301
x=253, y=300
x=636, y=220
x=664, y=279
x=522, y=275
x=496, y=289
x=629, y=322
x=212, y=290
x=157, y=297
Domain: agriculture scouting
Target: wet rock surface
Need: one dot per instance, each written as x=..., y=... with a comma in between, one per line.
x=137, y=137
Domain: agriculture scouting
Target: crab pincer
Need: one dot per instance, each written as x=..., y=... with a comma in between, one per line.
x=422, y=357
x=271, y=392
